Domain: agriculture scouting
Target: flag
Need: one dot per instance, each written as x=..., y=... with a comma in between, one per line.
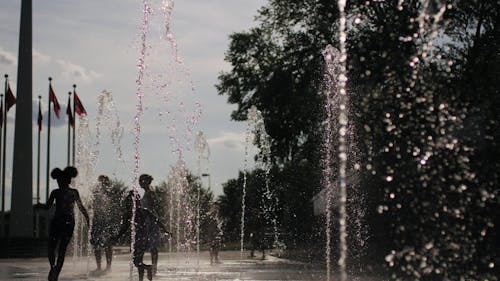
x=10, y=99
x=53, y=99
x=71, y=120
x=40, y=117
x=79, y=109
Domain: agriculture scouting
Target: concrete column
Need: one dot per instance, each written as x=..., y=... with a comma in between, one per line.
x=21, y=219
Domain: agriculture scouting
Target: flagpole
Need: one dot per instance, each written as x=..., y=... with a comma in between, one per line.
x=48, y=146
x=68, y=110
x=3, y=152
x=74, y=125
x=37, y=215
x=38, y=153
x=2, y=187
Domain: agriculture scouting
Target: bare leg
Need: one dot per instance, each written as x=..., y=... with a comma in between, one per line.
x=52, y=251
x=109, y=256
x=140, y=268
x=52, y=257
x=149, y=270
x=211, y=255
x=61, y=255
x=154, y=260
x=138, y=262
x=216, y=254
x=98, y=253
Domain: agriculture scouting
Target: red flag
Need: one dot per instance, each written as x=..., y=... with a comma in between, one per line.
x=70, y=114
x=53, y=99
x=10, y=99
x=40, y=117
x=79, y=109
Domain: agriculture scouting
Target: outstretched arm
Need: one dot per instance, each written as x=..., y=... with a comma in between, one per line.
x=82, y=208
x=163, y=227
x=124, y=226
x=49, y=203
x=52, y=198
x=157, y=221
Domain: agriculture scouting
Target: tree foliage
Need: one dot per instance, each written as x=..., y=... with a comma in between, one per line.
x=231, y=205
x=277, y=67
x=180, y=209
x=423, y=99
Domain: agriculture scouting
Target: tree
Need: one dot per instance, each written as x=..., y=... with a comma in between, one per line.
x=183, y=204
x=230, y=211
x=279, y=70
x=257, y=214
x=423, y=91
x=419, y=122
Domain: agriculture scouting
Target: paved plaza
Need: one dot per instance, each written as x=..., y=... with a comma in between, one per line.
x=172, y=266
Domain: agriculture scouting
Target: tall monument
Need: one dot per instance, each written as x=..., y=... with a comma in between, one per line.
x=21, y=219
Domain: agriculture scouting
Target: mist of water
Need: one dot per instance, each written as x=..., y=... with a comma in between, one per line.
x=181, y=216
x=88, y=148
x=263, y=141
x=331, y=56
x=164, y=86
x=203, y=154
x=342, y=143
x=256, y=132
x=244, y=192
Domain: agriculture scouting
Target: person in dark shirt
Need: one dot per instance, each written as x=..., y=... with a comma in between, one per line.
x=63, y=222
x=149, y=201
x=146, y=225
x=214, y=239
x=105, y=220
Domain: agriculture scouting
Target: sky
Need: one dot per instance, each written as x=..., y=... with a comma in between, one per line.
x=95, y=44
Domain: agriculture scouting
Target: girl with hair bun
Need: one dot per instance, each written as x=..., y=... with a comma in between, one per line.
x=63, y=222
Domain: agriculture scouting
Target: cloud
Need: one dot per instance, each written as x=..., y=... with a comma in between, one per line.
x=54, y=121
x=202, y=29
x=72, y=70
x=231, y=140
x=41, y=58
x=67, y=68
x=7, y=57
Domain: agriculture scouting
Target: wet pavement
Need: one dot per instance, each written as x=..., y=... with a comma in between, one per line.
x=172, y=266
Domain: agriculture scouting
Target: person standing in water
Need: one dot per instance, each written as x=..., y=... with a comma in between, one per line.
x=213, y=234
x=145, y=224
x=105, y=220
x=63, y=222
x=150, y=203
